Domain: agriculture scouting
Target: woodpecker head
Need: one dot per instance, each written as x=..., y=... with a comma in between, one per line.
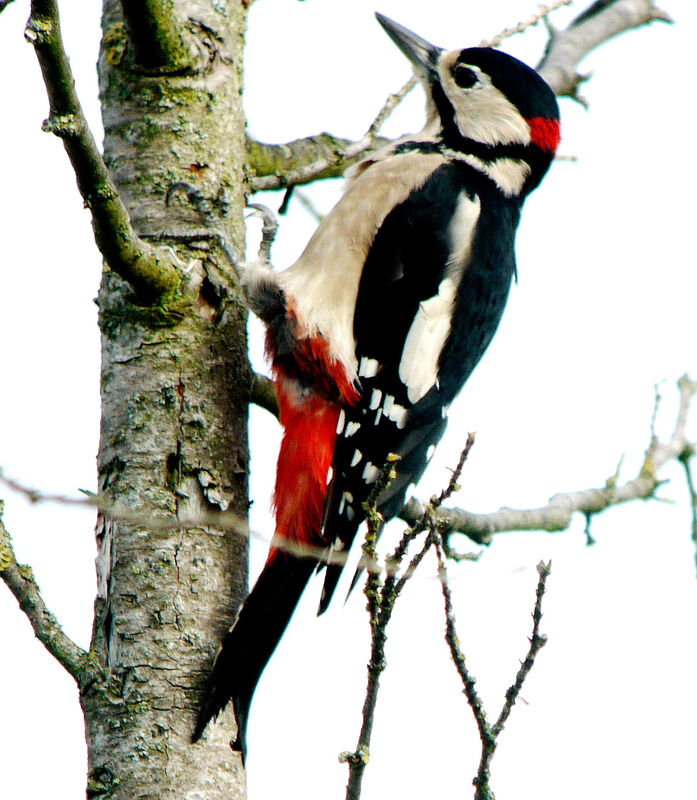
x=484, y=103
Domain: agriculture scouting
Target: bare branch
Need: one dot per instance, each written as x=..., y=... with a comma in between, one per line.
x=277, y=166
x=158, y=36
x=557, y=514
x=151, y=272
x=601, y=22
x=554, y=517
x=20, y=581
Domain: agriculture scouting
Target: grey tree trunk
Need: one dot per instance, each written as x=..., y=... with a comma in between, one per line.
x=175, y=386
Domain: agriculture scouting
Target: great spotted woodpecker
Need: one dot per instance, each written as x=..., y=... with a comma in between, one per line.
x=376, y=327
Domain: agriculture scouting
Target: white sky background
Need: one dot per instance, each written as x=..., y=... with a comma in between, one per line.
x=604, y=309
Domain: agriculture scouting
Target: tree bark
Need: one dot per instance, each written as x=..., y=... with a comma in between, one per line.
x=175, y=388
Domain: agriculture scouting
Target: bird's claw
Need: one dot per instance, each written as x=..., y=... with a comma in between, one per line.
x=269, y=229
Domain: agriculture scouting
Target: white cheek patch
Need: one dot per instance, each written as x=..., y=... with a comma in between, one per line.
x=368, y=367
x=483, y=113
x=418, y=367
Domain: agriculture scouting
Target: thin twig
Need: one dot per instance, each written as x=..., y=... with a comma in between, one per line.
x=332, y=156
x=393, y=100
x=381, y=598
x=541, y=14
x=378, y=613
x=537, y=642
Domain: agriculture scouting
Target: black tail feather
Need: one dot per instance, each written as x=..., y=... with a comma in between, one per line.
x=249, y=644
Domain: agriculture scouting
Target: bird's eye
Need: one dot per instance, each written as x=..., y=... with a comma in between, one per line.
x=464, y=77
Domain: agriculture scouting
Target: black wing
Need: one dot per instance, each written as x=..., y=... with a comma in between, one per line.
x=410, y=257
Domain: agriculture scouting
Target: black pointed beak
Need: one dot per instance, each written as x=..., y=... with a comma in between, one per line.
x=422, y=54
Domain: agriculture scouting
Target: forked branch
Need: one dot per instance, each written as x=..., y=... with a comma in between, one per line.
x=489, y=734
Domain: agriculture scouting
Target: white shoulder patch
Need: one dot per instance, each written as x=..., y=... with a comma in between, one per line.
x=418, y=366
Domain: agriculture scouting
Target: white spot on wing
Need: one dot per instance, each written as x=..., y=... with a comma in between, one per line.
x=378, y=417
x=351, y=428
x=375, y=399
x=429, y=453
x=341, y=422
x=368, y=367
x=370, y=473
x=398, y=415
x=418, y=366
x=357, y=456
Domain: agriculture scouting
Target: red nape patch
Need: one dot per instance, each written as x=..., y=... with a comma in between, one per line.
x=306, y=455
x=545, y=133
